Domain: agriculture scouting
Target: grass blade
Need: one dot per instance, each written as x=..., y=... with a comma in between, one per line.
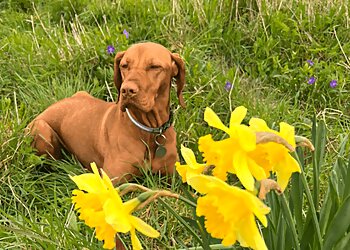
x=184, y=223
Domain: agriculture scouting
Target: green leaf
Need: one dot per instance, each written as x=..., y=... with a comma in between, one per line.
x=344, y=243
x=347, y=180
x=307, y=238
x=296, y=193
x=281, y=229
x=338, y=226
x=325, y=214
x=319, y=140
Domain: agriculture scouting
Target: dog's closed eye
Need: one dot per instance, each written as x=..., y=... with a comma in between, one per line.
x=154, y=66
x=124, y=66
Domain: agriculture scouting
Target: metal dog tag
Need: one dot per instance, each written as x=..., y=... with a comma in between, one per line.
x=160, y=151
x=160, y=140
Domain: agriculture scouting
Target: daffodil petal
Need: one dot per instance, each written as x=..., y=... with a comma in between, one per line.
x=94, y=168
x=249, y=235
x=182, y=170
x=242, y=170
x=116, y=216
x=136, y=244
x=86, y=200
x=188, y=156
x=237, y=116
x=143, y=227
x=287, y=132
x=213, y=120
x=257, y=171
x=199, y=183
x=284, y=171
x=89, y=182
x=258, y=125
x=247, y=138
x=259, y=209
x=203, y=183
x=107, y=181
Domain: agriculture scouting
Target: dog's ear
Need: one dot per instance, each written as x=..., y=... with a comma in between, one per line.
x=179, y=74
x=117, y=75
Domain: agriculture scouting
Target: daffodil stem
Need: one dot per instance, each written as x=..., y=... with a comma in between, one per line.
x=216, y=246
x=157, y=194
x=312, y=205
x=130, y=187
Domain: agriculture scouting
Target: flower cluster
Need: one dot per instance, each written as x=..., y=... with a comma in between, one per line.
x=311, y=80
x=102, y=208
x=110, y=48
x=253, y=153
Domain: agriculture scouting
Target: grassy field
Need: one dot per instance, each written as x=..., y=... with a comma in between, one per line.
x=51, y=49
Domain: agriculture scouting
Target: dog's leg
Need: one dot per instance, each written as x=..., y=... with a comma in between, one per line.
x=46, y=140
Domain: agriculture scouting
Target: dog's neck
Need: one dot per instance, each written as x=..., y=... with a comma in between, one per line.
x=156, y=118
x=158, y=115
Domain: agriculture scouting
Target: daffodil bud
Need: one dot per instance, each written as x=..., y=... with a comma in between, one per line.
x=145, y=196
x=304, y=142
x=123, y=187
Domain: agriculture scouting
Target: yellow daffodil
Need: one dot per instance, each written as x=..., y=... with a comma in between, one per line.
x=232, y=154
x=191, y=168
x=273, y=156
x=230, y=212
x=101, y=207
x=90, y=203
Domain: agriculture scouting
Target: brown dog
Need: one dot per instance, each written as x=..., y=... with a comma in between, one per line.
x=102, y=132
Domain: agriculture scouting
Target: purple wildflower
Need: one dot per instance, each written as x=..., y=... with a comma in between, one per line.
x=126, y=33
x=333, y=83
x=228, y=86
x=311, y=63
x=110, y=49
x=311, y=80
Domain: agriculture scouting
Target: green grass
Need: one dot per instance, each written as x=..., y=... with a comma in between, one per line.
x=51, y=49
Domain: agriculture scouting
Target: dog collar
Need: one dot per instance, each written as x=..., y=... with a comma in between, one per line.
x=158, y=130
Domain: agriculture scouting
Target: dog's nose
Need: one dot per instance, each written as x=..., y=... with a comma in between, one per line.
x=129, y=90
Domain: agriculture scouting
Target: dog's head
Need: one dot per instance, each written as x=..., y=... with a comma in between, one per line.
x=143, y=74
